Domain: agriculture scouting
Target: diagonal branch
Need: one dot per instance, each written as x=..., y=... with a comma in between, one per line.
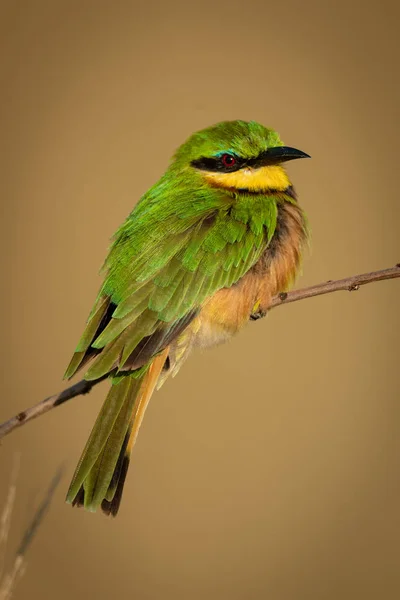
x=78, y=389
x=349, y=284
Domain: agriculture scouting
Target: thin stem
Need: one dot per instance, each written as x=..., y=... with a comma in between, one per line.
x=9, y=582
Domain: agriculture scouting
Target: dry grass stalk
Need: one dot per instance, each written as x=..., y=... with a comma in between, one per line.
x=9, y=581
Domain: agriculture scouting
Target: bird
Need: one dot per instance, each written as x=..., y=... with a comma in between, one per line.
x=202, y=253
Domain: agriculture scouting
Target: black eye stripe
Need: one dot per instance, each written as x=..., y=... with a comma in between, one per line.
x=218, y=164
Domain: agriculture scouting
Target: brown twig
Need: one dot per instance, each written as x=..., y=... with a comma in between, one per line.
x=349, y=284
x=78, y=389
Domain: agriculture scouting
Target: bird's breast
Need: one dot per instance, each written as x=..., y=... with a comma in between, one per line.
x=229, y=309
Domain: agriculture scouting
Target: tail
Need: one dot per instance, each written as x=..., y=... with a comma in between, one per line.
x=100, y=475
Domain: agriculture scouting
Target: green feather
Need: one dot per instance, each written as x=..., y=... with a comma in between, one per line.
x=97, y=314
x=135, y=295
x=233, y=231
x=192, y=254
x=215, y=240
x=106, y=361
x=136, y=333
x=165, y=277
x=93, y=323
x=116, y=326
x=161, y=296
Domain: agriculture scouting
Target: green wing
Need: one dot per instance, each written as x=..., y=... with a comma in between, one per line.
x=165, y=261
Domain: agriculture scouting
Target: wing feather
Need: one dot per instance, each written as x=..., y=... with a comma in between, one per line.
x=158, y=276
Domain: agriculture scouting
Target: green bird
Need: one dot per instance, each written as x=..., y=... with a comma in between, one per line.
x=202, y=253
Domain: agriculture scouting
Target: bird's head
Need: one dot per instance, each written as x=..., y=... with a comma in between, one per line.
x=238, y=156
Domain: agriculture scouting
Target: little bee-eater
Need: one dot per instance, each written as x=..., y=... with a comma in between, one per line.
x=203, y=251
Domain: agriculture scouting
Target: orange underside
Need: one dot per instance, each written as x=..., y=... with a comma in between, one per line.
x=229, y=309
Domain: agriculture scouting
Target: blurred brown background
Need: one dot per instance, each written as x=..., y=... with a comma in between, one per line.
x=299, y=496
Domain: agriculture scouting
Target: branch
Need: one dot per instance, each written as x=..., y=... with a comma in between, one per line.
x=78, y=389
x=349, y=284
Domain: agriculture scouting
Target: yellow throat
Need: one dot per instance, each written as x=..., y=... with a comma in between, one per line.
x=259, y=179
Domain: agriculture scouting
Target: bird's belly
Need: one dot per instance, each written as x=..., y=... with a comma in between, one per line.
x=211, y=334
x=225, y=313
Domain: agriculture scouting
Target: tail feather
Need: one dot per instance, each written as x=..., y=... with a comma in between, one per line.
x=100, y=475
x=97, y=481
x=111, y=503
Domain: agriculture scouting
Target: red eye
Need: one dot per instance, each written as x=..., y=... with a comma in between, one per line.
x=228, y=160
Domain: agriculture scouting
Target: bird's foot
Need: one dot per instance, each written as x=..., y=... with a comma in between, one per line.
x=259, y=314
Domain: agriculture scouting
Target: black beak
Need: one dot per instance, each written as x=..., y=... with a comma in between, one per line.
x=279, y=154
